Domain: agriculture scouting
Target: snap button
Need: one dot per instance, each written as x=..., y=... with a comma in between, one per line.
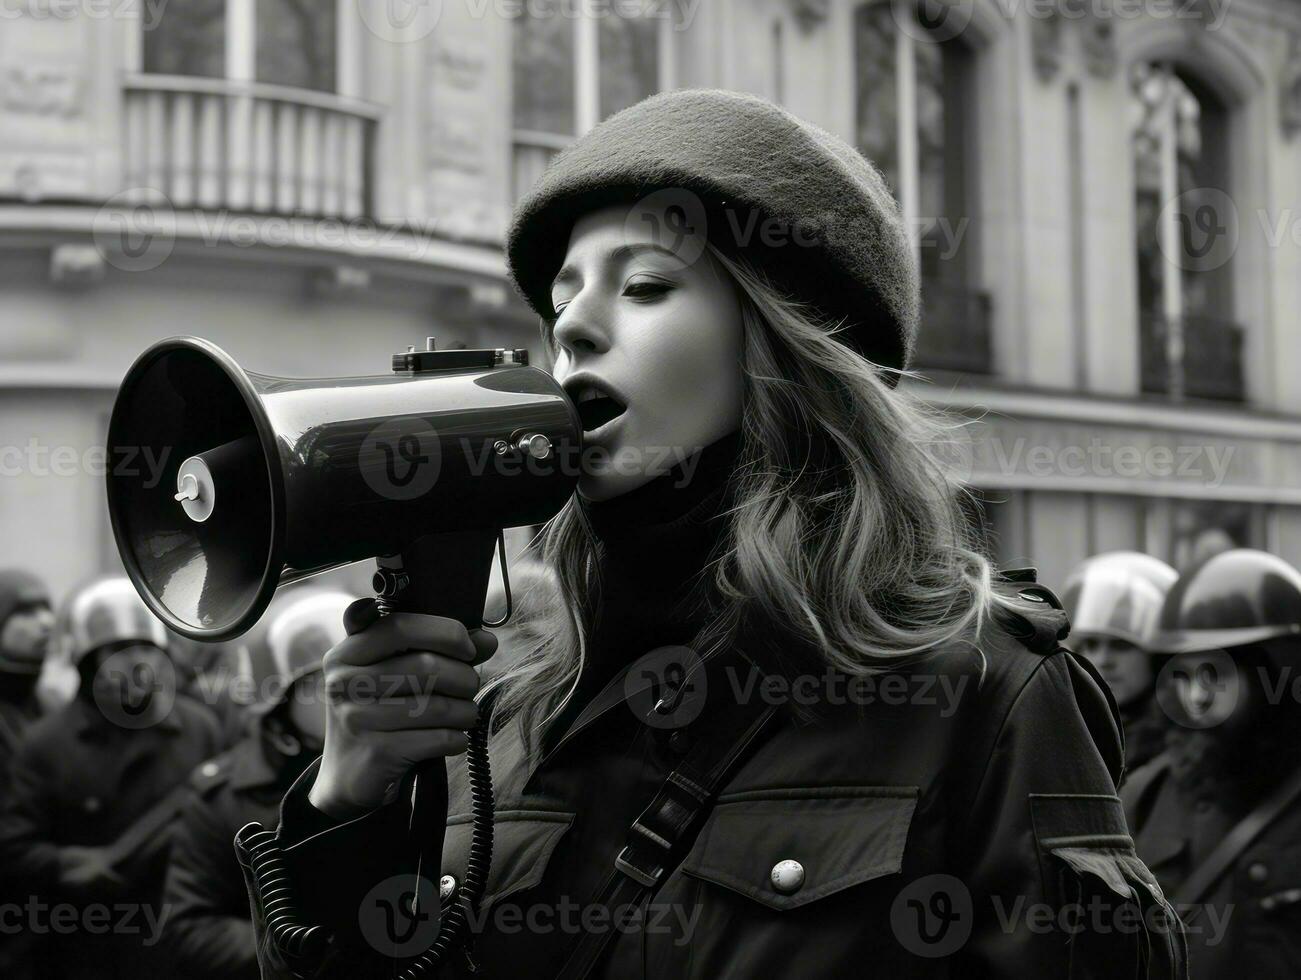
x=209, y=769
x=446, y=885
x=680, y=743
x=787, y=876
x=1257, y=872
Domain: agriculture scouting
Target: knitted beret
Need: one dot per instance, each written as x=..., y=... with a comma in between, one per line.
x=801, y=204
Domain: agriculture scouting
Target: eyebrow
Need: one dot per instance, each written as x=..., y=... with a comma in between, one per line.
x=623, y=252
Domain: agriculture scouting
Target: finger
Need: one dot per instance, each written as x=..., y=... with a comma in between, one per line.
x=360, y=614
x=485, y=645
x=400, y=633
x=404, y=675
x=427, y=743
x=420, y=713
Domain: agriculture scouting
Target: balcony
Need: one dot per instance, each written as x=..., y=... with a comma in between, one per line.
x=955, y=330
x=215, y=144
x=1202, y=359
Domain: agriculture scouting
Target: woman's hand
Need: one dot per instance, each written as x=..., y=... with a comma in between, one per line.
x=399, y=691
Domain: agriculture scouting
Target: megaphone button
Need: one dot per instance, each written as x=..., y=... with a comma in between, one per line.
x=535, y=444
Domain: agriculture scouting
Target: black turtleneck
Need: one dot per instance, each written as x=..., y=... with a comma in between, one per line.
x=654, y=544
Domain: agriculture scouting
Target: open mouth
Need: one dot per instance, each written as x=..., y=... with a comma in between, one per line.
x=595, y=405
x=596, y=412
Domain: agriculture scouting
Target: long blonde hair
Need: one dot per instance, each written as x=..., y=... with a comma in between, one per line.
x=846, y=527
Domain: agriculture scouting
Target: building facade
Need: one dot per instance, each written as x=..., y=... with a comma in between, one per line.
x=1104, y=197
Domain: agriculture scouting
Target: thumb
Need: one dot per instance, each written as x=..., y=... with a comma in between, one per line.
x=360, y=614
x=485, y=645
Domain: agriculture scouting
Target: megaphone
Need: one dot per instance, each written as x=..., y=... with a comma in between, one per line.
x=258, y=480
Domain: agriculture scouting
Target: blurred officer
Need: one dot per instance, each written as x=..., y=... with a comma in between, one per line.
x=95, y=787
x=25, y=626
x=1114, y=602
x=1217, y=817
x=210, y=673
x=209, y=932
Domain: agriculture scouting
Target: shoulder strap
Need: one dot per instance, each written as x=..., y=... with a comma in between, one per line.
x=1250, y=827
x=658, y=838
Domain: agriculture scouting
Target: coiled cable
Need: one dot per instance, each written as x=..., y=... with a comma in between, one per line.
x=300, y=943
x=466, y=898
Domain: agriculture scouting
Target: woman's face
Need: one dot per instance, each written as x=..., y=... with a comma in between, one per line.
x=1126, y=669
x=652, y=323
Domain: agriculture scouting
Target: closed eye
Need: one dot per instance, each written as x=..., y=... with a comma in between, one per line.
x=644, y=289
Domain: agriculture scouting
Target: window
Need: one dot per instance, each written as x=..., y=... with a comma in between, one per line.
x=1183, y=240
x=628, y=62
x=1200, y=529
x=543, y=77
x=189, y=38
x=915, y=121
x=291, y=42
x=296, y=43
x=571, y=71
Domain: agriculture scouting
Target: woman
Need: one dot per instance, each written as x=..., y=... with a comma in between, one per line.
x=1114, y=604
x=880, y=758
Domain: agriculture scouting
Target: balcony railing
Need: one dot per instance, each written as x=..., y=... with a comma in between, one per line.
x=215, y=144
x=1202, y=360
x=955, y=329
x=532, y=152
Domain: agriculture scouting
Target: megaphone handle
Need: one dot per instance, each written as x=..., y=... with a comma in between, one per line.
x=439, y=575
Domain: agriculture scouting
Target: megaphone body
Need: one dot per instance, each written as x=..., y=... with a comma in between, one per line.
x=267, y=479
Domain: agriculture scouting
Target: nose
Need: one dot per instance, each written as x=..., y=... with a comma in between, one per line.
x=579, y=331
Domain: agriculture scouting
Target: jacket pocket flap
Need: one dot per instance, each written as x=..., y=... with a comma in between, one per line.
x=840, y=835
x=523, y=842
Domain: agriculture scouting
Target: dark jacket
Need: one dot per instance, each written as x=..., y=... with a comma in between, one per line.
x=19, y=709
x=1145, y=726
x=209, y=933
x=1248, y=923
x=947, y=823
x=80, y=780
